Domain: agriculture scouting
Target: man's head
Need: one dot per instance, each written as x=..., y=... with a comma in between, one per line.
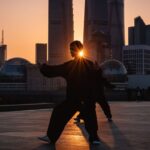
x=75, y=48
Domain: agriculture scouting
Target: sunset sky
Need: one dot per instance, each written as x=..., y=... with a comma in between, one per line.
x=25, y=23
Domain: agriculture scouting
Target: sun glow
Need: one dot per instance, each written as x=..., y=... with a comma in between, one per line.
x=81, y=53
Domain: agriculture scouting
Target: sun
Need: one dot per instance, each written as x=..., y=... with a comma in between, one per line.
x=81, y=53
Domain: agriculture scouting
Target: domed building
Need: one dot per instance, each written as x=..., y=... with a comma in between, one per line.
x=14, y=70
x=18, y=74
x=114, y=71
x=25, y=83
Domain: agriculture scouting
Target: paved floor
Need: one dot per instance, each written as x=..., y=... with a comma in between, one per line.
x=129, y=131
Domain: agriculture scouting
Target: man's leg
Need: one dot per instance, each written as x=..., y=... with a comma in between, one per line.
x=105, y=107
x=59, y=118
x=90, y=120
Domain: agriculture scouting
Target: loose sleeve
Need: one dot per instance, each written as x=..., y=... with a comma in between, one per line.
x=53, y=70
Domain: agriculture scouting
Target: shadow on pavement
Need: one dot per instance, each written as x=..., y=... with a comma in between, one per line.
x=120, y=141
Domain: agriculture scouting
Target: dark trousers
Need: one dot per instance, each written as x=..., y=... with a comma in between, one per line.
x=63, y=112
x=104, y=105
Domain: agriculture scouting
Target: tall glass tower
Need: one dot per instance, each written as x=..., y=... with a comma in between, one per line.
x=60, y=30
x=105, y=19
x=95, y=22
x=116, y=27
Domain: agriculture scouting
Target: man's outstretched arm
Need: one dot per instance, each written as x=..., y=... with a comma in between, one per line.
x=52, y=70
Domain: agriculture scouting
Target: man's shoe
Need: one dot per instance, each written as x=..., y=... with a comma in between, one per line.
x=94, y=140
x=44, y=138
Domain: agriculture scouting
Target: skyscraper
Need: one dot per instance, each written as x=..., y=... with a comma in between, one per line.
x=3, y=54
x=116, y=27
x=136, y=55
x=96, y=21
x=41, y=53
x=3, y=50
x=106, y=16
x=60, y=30
x=136, y=58
x=139, y=33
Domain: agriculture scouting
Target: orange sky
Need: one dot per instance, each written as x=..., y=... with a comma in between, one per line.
x=25, y=23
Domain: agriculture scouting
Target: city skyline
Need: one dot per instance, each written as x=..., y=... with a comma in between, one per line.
x=26, y=23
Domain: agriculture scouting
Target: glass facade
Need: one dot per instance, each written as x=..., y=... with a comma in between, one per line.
x=114, y=71
x=14, y=70
x=137, y=59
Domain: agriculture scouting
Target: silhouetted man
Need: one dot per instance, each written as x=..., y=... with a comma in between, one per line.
x=79, y=76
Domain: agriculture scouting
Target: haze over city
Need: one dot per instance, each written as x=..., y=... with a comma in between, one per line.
x=26, y=23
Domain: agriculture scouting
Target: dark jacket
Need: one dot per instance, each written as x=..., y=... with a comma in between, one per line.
x=78, y=74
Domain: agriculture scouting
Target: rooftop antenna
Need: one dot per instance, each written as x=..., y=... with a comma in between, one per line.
x=2, y=42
